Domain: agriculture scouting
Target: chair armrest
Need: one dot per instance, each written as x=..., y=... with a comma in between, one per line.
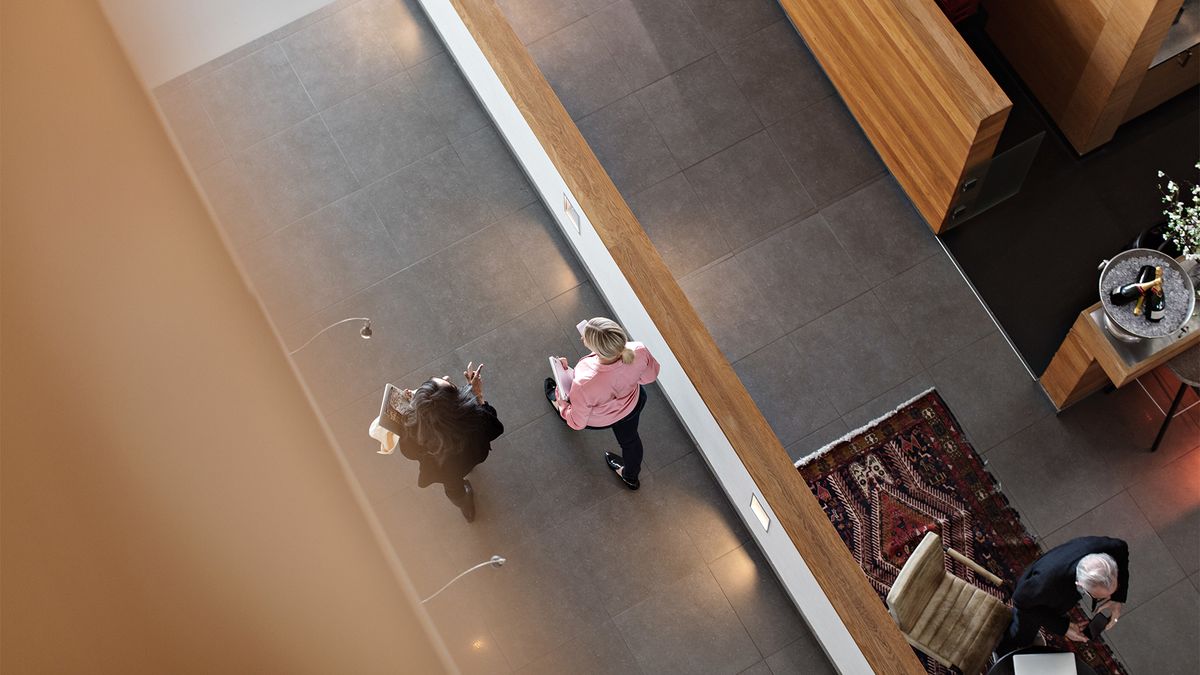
x=978, y=569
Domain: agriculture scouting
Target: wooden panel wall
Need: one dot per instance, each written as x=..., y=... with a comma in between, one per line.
x=926, y=102
x=1083, y=59
x=748, y=432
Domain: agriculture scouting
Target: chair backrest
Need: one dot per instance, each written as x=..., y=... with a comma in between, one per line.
x=918, y=579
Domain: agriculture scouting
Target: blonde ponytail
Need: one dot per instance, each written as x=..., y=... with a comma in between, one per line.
x=607, y=339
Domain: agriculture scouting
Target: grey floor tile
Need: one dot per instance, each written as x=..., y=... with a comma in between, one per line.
x=298, y=171
x=700, y=505
x=664, y=438
x=764, y=608
x=406, y=520
x=193, y=128
x=344, y=54
x=339, y=367
x=802, y=656
x=475, y=287
x=989, y=391
x=854, y=353
x=515, y=363
x=760, y=668
x=935, y=309
x=1196, y=580
x=500, y=181
x=681, y=227
x=1170, y=499
x=534, y=606
x=444, y=93
x=1048, y=470
x=784, y=391
x=384, y=129
x=628, y=146
x=413, y=37
x=1163, y=635
x=629, y=545
x=596, y=652
x=236, y=203
x=817, y=440
x=575, y=305
x=727, y=298
x=533, y=20
x=543, y=250
x=728, y=22
x=688, y=627
x=827, y=150
x=1152, y=568
x=749, y=189
x=889, y=401
x=699, y=110
x=458, y=613
x=803, y=272
x=651, y=39
x=776, y=72
x=255, y=97
x=1131, y=421
x=429, y=205
x=539, y=476
x=321, y=259
x=881, y=230
x=578, y=65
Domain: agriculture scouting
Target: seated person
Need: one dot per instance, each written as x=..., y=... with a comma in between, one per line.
x=1095, y=569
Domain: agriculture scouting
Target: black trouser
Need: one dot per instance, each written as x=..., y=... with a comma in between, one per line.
x=626, y=431
x=1022, y=632
x=456, y=490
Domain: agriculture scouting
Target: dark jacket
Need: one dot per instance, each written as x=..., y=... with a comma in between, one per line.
x=1046, y=591
x=469, y=448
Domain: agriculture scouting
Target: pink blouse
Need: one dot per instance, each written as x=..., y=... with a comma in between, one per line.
x=604, y=393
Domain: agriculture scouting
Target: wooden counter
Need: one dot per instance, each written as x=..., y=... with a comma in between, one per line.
x=1091, y=359
x=928, y=105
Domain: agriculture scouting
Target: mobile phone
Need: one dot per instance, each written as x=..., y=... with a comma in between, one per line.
x=1096, y=626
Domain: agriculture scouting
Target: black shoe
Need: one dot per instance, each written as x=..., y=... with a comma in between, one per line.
x=468, y=505
x=615, y=464
x=549, y=386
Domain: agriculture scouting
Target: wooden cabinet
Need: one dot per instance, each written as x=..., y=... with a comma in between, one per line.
x=1088, y=61
x=920, y=94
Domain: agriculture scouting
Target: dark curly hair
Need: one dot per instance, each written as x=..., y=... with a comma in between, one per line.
x=437, y=413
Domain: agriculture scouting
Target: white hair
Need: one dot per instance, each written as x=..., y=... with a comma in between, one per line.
x=1096, y=571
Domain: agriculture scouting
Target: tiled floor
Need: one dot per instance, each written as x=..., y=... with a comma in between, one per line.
x=833, y=300
x=355, y=175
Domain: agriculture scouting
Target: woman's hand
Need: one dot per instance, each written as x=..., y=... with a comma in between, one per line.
x=563, y=361
x=475, y=379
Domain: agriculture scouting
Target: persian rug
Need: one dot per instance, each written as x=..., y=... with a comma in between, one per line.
x=885, y=485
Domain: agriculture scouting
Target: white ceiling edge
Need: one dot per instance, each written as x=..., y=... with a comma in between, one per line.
x=167, y=38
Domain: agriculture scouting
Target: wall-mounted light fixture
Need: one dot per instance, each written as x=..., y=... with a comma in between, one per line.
x=759, y=511
x=494, y=561
x=364, y=332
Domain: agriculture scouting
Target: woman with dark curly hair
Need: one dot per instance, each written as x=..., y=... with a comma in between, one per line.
x=449, y=430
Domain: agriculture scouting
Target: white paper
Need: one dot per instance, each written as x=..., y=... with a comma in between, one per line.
x=562, y=378
x=1044, y=664
x=581, y=325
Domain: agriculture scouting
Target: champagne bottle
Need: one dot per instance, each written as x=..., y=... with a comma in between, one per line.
x=1156, y=298
x=1127, y=293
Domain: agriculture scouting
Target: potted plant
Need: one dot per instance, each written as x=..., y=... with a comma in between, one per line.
x=1181, y=206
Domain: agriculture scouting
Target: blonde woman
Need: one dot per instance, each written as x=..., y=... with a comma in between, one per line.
x=607, y=392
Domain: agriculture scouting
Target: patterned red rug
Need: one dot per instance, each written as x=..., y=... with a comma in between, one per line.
x=886, y=485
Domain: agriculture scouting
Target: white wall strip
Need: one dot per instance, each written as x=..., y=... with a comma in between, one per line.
x=683, y=397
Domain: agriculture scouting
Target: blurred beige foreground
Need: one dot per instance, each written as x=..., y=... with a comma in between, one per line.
x=169, y=502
